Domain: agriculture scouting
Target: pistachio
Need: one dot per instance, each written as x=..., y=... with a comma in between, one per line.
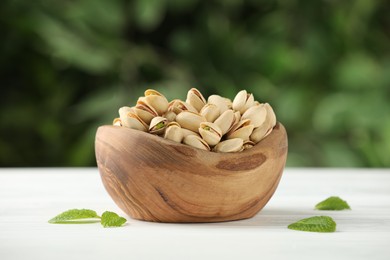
x=170, y=115
x=158, y=125
x=190, y=120
x=242, y=129
x=210, y=132
x=248, y=144
x=256, y=114
x=210, y=112
x=133, y=121
x=156, y=100
x=219, y=101
x=144, y=111
x=225, y=121
x=229, y=103
x=123, y=111
x=188, y=132
x=266, y=127
x=196, y=141
x=237, y=117
x=177, y=106
x=174, y=132
x=243, y=101
x=117, y=122
x=229, y=146
x=196, y=99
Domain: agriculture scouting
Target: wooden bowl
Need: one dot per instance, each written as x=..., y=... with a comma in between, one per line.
x=154, y=179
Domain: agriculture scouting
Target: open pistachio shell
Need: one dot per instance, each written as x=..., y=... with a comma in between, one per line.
x=241, y=130
x=210, y=132
x=225, y=121
x=256, y=114
x=210, y=112
x=270, y=114
x=158, y=125
x=196, y=99
x=123, y=111
x=190, y=120
x=117, y=122
x=156, y=100
x=177, y=106
x=229, y=146
x=219, y=101
x=174, y=132
x=145, y=112
x=170, y=115
x=188, y=132
x=133, y=121
x=248, y=144
x=243, y=101
x=196, y=141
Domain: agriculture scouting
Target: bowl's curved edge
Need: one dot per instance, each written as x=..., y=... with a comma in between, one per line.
x=134, y=208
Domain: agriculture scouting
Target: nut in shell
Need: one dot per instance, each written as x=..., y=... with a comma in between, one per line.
x=229, y=146
x=196, y=141
x=210, y=112
x=174, y=132
x=219, y=101
x=177, y=106
x=241, y=130
x=210, y=132
x=190, y=120
x=225, y=121
x=256, y=114
x=243, y=101
x=156, y=100
x=158, y=125
x=196, y=99
x=133, y=121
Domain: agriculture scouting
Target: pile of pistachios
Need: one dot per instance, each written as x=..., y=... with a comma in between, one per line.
x=218, y=124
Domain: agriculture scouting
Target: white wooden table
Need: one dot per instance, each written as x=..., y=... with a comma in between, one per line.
x=29, y=197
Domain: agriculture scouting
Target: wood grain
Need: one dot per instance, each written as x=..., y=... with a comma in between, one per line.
x=154, y=179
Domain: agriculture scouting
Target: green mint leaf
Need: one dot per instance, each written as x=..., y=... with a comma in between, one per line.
x=111, y=219
x=315, y=224
x=332, y=203
x=76, y=216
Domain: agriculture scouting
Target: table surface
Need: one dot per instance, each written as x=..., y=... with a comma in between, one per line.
x=29, y=197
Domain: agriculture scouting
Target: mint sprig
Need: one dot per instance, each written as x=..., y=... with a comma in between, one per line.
x=332, y=203
x=84, y=216
x=315, y=224
x=111, y=219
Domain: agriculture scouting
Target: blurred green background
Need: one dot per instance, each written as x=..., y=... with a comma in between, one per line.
x=67, y=66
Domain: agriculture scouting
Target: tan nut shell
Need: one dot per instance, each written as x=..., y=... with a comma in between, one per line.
x=229, y=146
x=210, y=132
x=219, y=101
x=188, y=132
x=177, y=106
x=225, y=121
x=196, y=99
x=243, y=101
x=133, y=121
x=190, y=120
x=174, y=132
x=123, y=111
x=153, y=125
x=156, y=100
x=196, y=141
x=257, y=115
x=210, y=112
x=266, y=127
x=241, y=130
x=117, y=122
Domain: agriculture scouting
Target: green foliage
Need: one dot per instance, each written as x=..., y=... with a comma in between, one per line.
x=111, y=219
x=67, y=66
x=332, y=203
x=76, y=216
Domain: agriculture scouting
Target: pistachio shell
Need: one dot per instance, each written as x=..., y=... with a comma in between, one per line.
x=158, y=125
x=190, y=120
x=133, y=121
x=177, y=106
x=225, y=121
x=156, y=100
x=145, y=112
x=256, y=114
x=237, y=117
x=173, y=132
x=196, y=141
x=243, y=101
x=229, y=146
x=170, y=115
x=210, y=112
x=196, y=99
x=188, y=132
x=123, y=111
x=117, y=122
x=210, y=132
x=270, y=114
x=266, y=127
x=248, y=144
x=241, y=130
x=219, y=101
